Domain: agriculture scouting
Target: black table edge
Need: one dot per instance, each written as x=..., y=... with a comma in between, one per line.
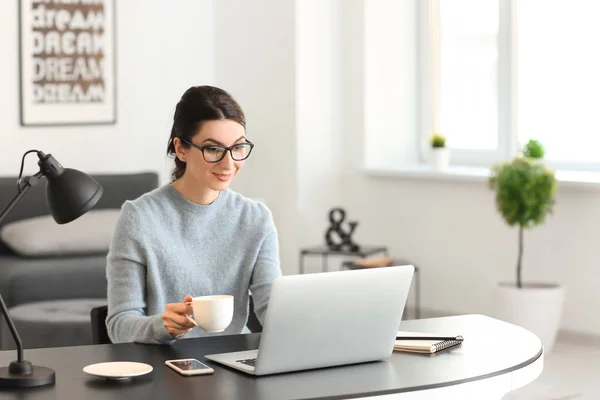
x=434, y=385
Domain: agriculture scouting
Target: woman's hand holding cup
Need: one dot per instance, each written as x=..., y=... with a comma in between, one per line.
x=175, y=317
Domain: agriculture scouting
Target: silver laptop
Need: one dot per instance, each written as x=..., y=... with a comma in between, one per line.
x=327, y=319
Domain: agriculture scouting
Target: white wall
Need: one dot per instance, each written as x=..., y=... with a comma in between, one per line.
x=319, y=115
x=390, y=81
x=255, y=62
x=162, y=49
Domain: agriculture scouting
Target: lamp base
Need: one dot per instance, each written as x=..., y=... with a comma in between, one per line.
x=24, y=375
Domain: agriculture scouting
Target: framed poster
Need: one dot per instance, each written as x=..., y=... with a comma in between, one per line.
x=67, y=62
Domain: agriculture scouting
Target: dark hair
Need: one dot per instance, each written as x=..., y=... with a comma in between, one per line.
x=199, y=104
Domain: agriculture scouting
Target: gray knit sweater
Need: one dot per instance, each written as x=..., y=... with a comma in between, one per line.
x=165, y=247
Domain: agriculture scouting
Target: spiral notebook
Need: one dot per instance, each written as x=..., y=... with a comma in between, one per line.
x=423, y=346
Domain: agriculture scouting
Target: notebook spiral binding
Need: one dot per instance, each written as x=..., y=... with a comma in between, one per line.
x=446, y=344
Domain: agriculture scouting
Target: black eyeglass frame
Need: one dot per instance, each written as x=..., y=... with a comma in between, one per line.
x=225, y=148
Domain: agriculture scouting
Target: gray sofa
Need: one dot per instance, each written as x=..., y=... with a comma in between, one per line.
x=24, y=280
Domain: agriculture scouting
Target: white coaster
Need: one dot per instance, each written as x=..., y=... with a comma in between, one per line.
x=118, y=370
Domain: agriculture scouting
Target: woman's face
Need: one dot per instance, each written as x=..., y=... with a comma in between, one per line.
x=218, y=175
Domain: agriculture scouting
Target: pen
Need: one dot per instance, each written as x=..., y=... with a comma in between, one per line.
x=458, y=338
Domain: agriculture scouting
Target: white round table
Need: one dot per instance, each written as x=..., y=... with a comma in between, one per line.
x=495, y=359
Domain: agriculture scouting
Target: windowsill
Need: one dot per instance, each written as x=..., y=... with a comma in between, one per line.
x=566, y=178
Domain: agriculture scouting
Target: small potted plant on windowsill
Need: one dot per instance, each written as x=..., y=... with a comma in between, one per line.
x=440, y=154
x=525, y=191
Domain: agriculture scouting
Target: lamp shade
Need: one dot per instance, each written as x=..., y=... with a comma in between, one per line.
x=69, y=193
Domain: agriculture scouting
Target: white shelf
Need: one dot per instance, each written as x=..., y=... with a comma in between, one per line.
x=566, y=178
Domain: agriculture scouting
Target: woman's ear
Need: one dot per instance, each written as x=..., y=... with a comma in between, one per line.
x=180, y=151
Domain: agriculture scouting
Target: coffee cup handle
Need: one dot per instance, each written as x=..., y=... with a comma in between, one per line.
x=192, y=320
x=189, y=317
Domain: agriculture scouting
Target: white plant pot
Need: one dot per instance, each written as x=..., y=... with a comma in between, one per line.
x=535, y=307
x=440, y=158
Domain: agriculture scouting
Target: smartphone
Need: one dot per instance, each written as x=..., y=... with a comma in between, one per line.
x=189, y=366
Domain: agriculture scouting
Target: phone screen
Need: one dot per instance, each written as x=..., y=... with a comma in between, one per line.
x=189, y=365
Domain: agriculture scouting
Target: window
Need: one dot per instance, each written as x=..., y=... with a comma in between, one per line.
x=559, y=78
x=504, y=71
x=469, y=74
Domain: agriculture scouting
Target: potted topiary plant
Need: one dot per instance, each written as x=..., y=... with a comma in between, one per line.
x=440, y=154
x=525, y=191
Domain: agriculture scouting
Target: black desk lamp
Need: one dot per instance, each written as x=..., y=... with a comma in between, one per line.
x=70, y=194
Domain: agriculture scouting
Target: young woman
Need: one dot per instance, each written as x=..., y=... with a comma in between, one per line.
x=194, y=236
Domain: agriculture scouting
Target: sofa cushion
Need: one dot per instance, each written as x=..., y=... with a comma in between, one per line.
x=54, y=323
x=25, y=279
x=42, y=236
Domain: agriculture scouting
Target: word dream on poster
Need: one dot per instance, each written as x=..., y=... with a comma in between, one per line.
x=68, y=50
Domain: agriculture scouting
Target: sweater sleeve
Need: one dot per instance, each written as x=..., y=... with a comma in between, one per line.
x=126, y=275
x=266, y=269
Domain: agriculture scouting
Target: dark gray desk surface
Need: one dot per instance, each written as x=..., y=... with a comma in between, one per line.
x=491, y=348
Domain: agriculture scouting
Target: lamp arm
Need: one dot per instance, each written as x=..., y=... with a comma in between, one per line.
x=29, y=183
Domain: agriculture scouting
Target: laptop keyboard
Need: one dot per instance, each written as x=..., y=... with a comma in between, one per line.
x=249, y=361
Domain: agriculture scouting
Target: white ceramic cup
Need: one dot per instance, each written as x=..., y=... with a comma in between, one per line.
x=213, y=313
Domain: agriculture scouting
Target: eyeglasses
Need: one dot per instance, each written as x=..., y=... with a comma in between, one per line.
x=215, y=153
